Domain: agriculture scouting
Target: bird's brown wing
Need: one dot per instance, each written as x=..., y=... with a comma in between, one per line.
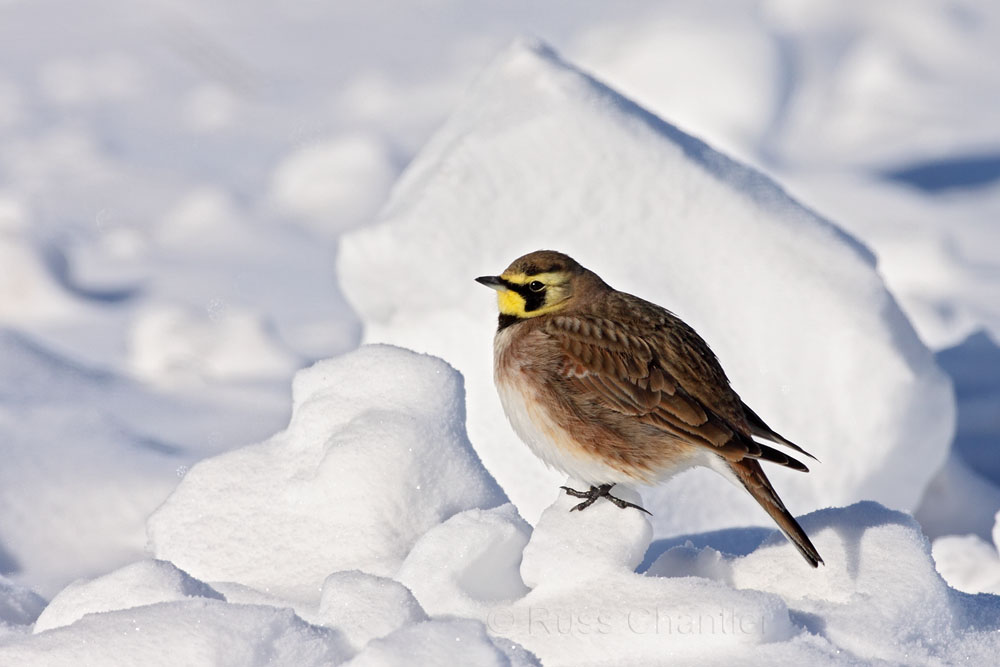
x=665, y=377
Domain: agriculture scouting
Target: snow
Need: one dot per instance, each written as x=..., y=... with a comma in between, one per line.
x=334, y=184
x=168, y=341
x=27, y=290
x=135, y=585
x=18, y=605
x=441, y=642
x=363, y=607
x=878, y=598
x=197, y=202
x=193, y=632
x=968, y=562
x=834, y=365
x=281, y=515
x=62, y=501
x=469, y=564
x=881, y=563
x=282, y=551
x=88, y=455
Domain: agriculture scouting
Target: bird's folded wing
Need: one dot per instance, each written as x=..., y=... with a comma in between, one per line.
x=625, y=372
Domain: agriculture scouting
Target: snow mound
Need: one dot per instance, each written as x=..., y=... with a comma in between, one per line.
x=579, y=600
x=540, y=155
x=375, y=454
x=443, y=642
x=206, y=218
x=170, y=343
x=364, y=607
x=588, y=606
x=606, y=540
x=192, y=632
x=485, y=575
x=879, y=596
x=970, y=563
x=135, y=585
x=304, y=564
x=334, y=184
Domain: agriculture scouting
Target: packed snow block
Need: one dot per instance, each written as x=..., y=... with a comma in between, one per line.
x=143, y=583
x=469, y=565
x=192, y=632
x=444, y=642
x=540, y=155
x=363, y=607
x=375, y=454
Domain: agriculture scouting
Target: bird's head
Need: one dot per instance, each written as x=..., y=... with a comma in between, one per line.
x=538, y=283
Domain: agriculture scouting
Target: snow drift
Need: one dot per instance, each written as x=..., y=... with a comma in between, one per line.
x=540, y=155
x=375, y=454
x=367, y=533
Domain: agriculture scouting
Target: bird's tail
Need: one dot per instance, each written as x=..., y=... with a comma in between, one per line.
x=750, y=474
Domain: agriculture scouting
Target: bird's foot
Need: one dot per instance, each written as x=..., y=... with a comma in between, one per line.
x=595, y=492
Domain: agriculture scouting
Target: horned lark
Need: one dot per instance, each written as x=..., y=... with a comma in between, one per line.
x=612, y=389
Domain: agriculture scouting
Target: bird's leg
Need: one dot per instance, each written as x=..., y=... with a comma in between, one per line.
x=590, y=496
x=595, y=492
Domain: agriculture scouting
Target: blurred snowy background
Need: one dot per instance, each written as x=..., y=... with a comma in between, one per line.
x=175, y=180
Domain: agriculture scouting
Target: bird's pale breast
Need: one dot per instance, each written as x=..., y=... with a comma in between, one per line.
x=584, y=447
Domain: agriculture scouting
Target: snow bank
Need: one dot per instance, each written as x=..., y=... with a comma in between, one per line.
x=569, y=595
x=375, y=454
x=539, y=155
x=578, y=600
x=879, y=597
x=588, y=606
x=139, y=584
x=367, y=533
x=192, y=632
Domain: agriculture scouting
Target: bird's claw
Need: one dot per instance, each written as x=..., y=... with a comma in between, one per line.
x=595, y=492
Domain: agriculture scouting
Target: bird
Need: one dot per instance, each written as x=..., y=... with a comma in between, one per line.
x=611, y=389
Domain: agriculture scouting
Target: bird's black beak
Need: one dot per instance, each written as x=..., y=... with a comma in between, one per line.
x=496, y=282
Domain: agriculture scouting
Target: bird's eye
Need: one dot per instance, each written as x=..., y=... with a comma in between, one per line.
x=536, y=285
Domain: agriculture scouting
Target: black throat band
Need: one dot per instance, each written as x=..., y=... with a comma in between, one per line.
x=506, y=320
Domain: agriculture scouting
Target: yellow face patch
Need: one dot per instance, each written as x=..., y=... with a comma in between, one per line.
x=510, y=302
